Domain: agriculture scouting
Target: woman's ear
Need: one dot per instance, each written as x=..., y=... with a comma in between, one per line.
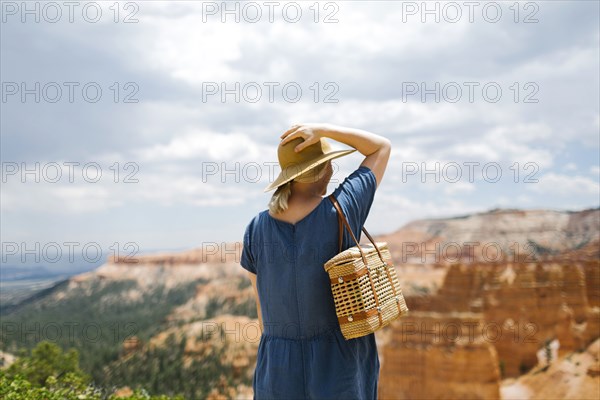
x=328, y=172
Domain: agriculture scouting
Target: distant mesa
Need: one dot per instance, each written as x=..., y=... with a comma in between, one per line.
x=213, y=253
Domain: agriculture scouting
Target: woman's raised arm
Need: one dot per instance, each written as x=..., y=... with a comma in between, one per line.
x=375, y=148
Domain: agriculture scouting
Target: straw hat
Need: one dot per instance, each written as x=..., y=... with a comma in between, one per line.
x=294, y=163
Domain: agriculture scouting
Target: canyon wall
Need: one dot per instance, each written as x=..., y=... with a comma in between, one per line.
x=509, y=311
x=433, y=355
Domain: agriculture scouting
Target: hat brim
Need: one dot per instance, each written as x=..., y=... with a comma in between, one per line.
x=285, y=175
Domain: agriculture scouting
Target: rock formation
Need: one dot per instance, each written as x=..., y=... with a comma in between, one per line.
x=572, y=376
x=519, y=309
x=439, y=356
x=497, y=235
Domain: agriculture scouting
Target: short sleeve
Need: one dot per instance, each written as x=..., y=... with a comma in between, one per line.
x=246, y=260
x=355, y=195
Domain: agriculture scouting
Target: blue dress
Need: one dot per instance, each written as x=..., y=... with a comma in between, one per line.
x=302, y=353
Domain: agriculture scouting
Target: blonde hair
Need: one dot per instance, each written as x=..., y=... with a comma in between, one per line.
x=279, y=200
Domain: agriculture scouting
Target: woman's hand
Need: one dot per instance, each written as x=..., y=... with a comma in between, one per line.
x=311, y=133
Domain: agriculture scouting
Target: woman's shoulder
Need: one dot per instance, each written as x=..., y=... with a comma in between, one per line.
x=257, y=219
x=356, y=193
x=361, y=182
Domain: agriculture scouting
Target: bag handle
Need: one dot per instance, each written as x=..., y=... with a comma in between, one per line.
x=342, y=220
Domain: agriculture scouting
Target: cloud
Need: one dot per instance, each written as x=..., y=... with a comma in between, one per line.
x=170, y=191
x=206, y=146
x=459, y=188
x=65, y=199
x=570, y=167
x=570, y=186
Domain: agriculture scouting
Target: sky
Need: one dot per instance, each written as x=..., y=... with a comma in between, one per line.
x=153, y=125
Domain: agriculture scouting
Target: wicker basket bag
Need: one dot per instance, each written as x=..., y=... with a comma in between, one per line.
x=364, y=284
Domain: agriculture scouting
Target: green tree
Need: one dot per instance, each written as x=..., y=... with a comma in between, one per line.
x=50, y=374
x=48, y=360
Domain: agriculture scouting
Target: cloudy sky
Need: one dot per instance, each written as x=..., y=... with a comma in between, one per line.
x=180, y=105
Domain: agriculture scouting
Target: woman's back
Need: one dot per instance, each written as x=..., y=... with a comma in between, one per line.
x=298, y=208
x=297, y=305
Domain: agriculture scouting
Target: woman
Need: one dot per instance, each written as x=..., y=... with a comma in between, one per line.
x=302, y=353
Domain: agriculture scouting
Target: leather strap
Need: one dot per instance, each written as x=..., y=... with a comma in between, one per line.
x=373, y=241
x=359, y=316
x=342, y=219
